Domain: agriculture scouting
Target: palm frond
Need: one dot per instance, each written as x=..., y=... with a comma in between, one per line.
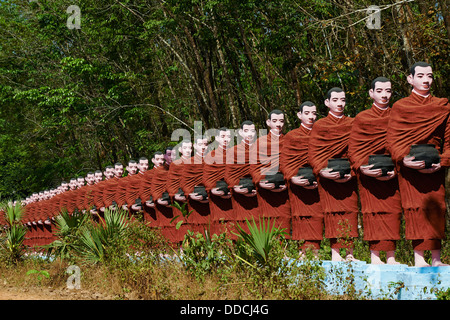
x=91, y=245
x=13, y=212
x=260, y=238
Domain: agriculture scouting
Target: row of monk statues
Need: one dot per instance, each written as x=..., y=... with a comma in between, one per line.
x=385, y=165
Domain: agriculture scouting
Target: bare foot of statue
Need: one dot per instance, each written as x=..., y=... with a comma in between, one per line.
x=350, y=257
x=419, y=260
x=335, y=256
x=439, y=263
x=375, y=257
x=436, y=259
x=390, y=258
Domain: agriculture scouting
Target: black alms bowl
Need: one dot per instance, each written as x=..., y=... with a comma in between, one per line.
x=247, y=182
x=277, y=179
x=381, y=161
x=180, y=192
x=307, y=173
x=341, y=165
x=425, y=152
x=165, y=197
x=222, y=186
x=201, y=191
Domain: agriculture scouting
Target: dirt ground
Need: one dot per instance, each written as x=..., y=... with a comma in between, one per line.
x=40, y=293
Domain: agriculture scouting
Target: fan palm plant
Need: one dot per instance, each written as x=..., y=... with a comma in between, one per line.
x=97, y=240
x=12, y=244
x=260, y=239
x=68, y=229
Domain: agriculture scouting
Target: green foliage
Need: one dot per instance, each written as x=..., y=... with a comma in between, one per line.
x=118, y=87
x=203, y=254
x=270, y=267
x=39, y=274
x=98, y=240
x=12, y=248
x=68, y=232
x=13, y=212
x=184, y=213
x=443, y=294
x=261, y=241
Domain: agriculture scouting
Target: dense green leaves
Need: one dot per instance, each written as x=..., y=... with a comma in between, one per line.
x=76, y=100
x=12, y=238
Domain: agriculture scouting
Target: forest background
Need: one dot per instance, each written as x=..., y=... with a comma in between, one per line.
x=74, y=100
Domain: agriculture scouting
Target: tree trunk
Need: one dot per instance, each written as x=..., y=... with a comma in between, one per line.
x=446, y=15
x=205, y=75
x=262, y=100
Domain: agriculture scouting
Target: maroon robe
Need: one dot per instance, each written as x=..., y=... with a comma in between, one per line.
x=266, y=152
x=145, y=195
x=199, y=219
x=109, y=191
x=306, y=210
x=329, y=139
x=419, y=120
x=164, y=213
x=173, y=186
x=221, y=209
x=380, y=200
x=238, y=167
x=133, y=191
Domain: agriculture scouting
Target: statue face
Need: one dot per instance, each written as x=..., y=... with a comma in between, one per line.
x=381, y=94
x=80, y=182
x=276, y=123
x=422, y=80
x=118, y=171
x=98, y=176
x=143, y=165
x=168, y=156
x=186, y=149
x=336, y=103
x=90, y=178
x=109, y=173
x=132, y=168
x=248, y=133
x=73, y=184
x=201, y=146
x=224, y=138
x=308, y=116
x=158, y=160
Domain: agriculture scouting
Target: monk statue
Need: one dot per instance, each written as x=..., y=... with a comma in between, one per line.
x=378, y=185
x=273, y=197
x=306, y=211
x=237, y=176
x=416, y=122
x=327, y=155
x=220, y=203
x=192, y=185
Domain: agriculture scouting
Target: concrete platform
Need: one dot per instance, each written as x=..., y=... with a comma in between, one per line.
x=397, y=282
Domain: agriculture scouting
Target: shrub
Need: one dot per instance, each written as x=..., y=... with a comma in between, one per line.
x=68, y=232
x=12, y=246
